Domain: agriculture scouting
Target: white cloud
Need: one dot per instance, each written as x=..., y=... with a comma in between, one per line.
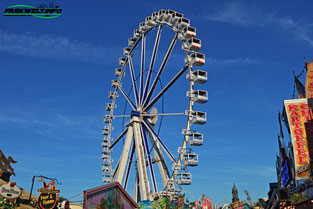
x=249, y=15
x=10, y=119
x=55, y=47
x=222, y=63
x=257, y=170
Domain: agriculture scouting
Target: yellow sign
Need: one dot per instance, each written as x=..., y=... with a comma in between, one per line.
x=299, y=112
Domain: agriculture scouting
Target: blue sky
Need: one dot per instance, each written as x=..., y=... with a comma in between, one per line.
x=56, y=73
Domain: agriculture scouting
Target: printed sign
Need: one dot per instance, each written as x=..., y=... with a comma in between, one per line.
x=48, y=197
x=299, y=112
x=10, y=190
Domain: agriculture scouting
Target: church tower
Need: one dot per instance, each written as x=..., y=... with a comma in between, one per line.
x=235, y=193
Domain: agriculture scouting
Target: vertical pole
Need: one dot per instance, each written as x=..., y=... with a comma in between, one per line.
x=31, y=190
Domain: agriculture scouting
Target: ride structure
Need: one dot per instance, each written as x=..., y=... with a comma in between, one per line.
x=142, y=147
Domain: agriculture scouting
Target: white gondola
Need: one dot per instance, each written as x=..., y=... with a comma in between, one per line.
x=137, y=33
x=169, y=14
x=104, y=155
x=161, y=14
x=183, y=22
x=155, y=15
x=199, y=117
x=195, y=139
x=122, y=61
x=118, y=72
x=199, y=96
x=190, y=159
x=126, y=51
x=106, y=180
x=107, y=119
x=105, y=168
x=109, y=106
x=176, y=17
x=105, y=131
x=199, y=76
x=132, y=41
x=104, y=144
x=150, y=22
x=189, y=32
x=105, y=151
x=143, y=27
x=114, y=83
x=197, y=59
x=106, y=139
x=183, y=179
x=112, y=94
x=194, y=44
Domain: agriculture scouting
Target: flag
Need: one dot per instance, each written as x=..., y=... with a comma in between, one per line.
x=300, y=88
x=306, y=65
x=280, y=127
x=282, y=151
x=285, y=119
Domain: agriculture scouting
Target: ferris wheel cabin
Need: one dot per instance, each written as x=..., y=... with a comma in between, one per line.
x=112, y=94
x=107, y=119
x=194, y=44
x=199, y=76
x=197, y=59
x=183, y=178
x=196, y=139
x=126, y=51
x=131, y=42
x=118, y=72
x=143, y=27
x=176, y=17
x=200, y=96
x=189, y=32
x=137, y=34
x=122, y=61
x=183, y=22
x=169, y=15
x=199, y=117
x=114, y=83
x=190, y=159
x=150, y=22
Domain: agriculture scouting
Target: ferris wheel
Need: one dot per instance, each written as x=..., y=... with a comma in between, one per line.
x=133, y=124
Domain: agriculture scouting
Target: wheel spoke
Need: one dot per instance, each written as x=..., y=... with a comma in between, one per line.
x=126, y=97
x=150, y=129
x=154, y=186
x=181, y=72
x=160, y=159
x=132, y=73
x=168, y=53
x=118, y=138
x=154, y=53
x=142, y=68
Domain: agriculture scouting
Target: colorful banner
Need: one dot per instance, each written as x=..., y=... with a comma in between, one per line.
x=309, y=81
x=299, y=112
